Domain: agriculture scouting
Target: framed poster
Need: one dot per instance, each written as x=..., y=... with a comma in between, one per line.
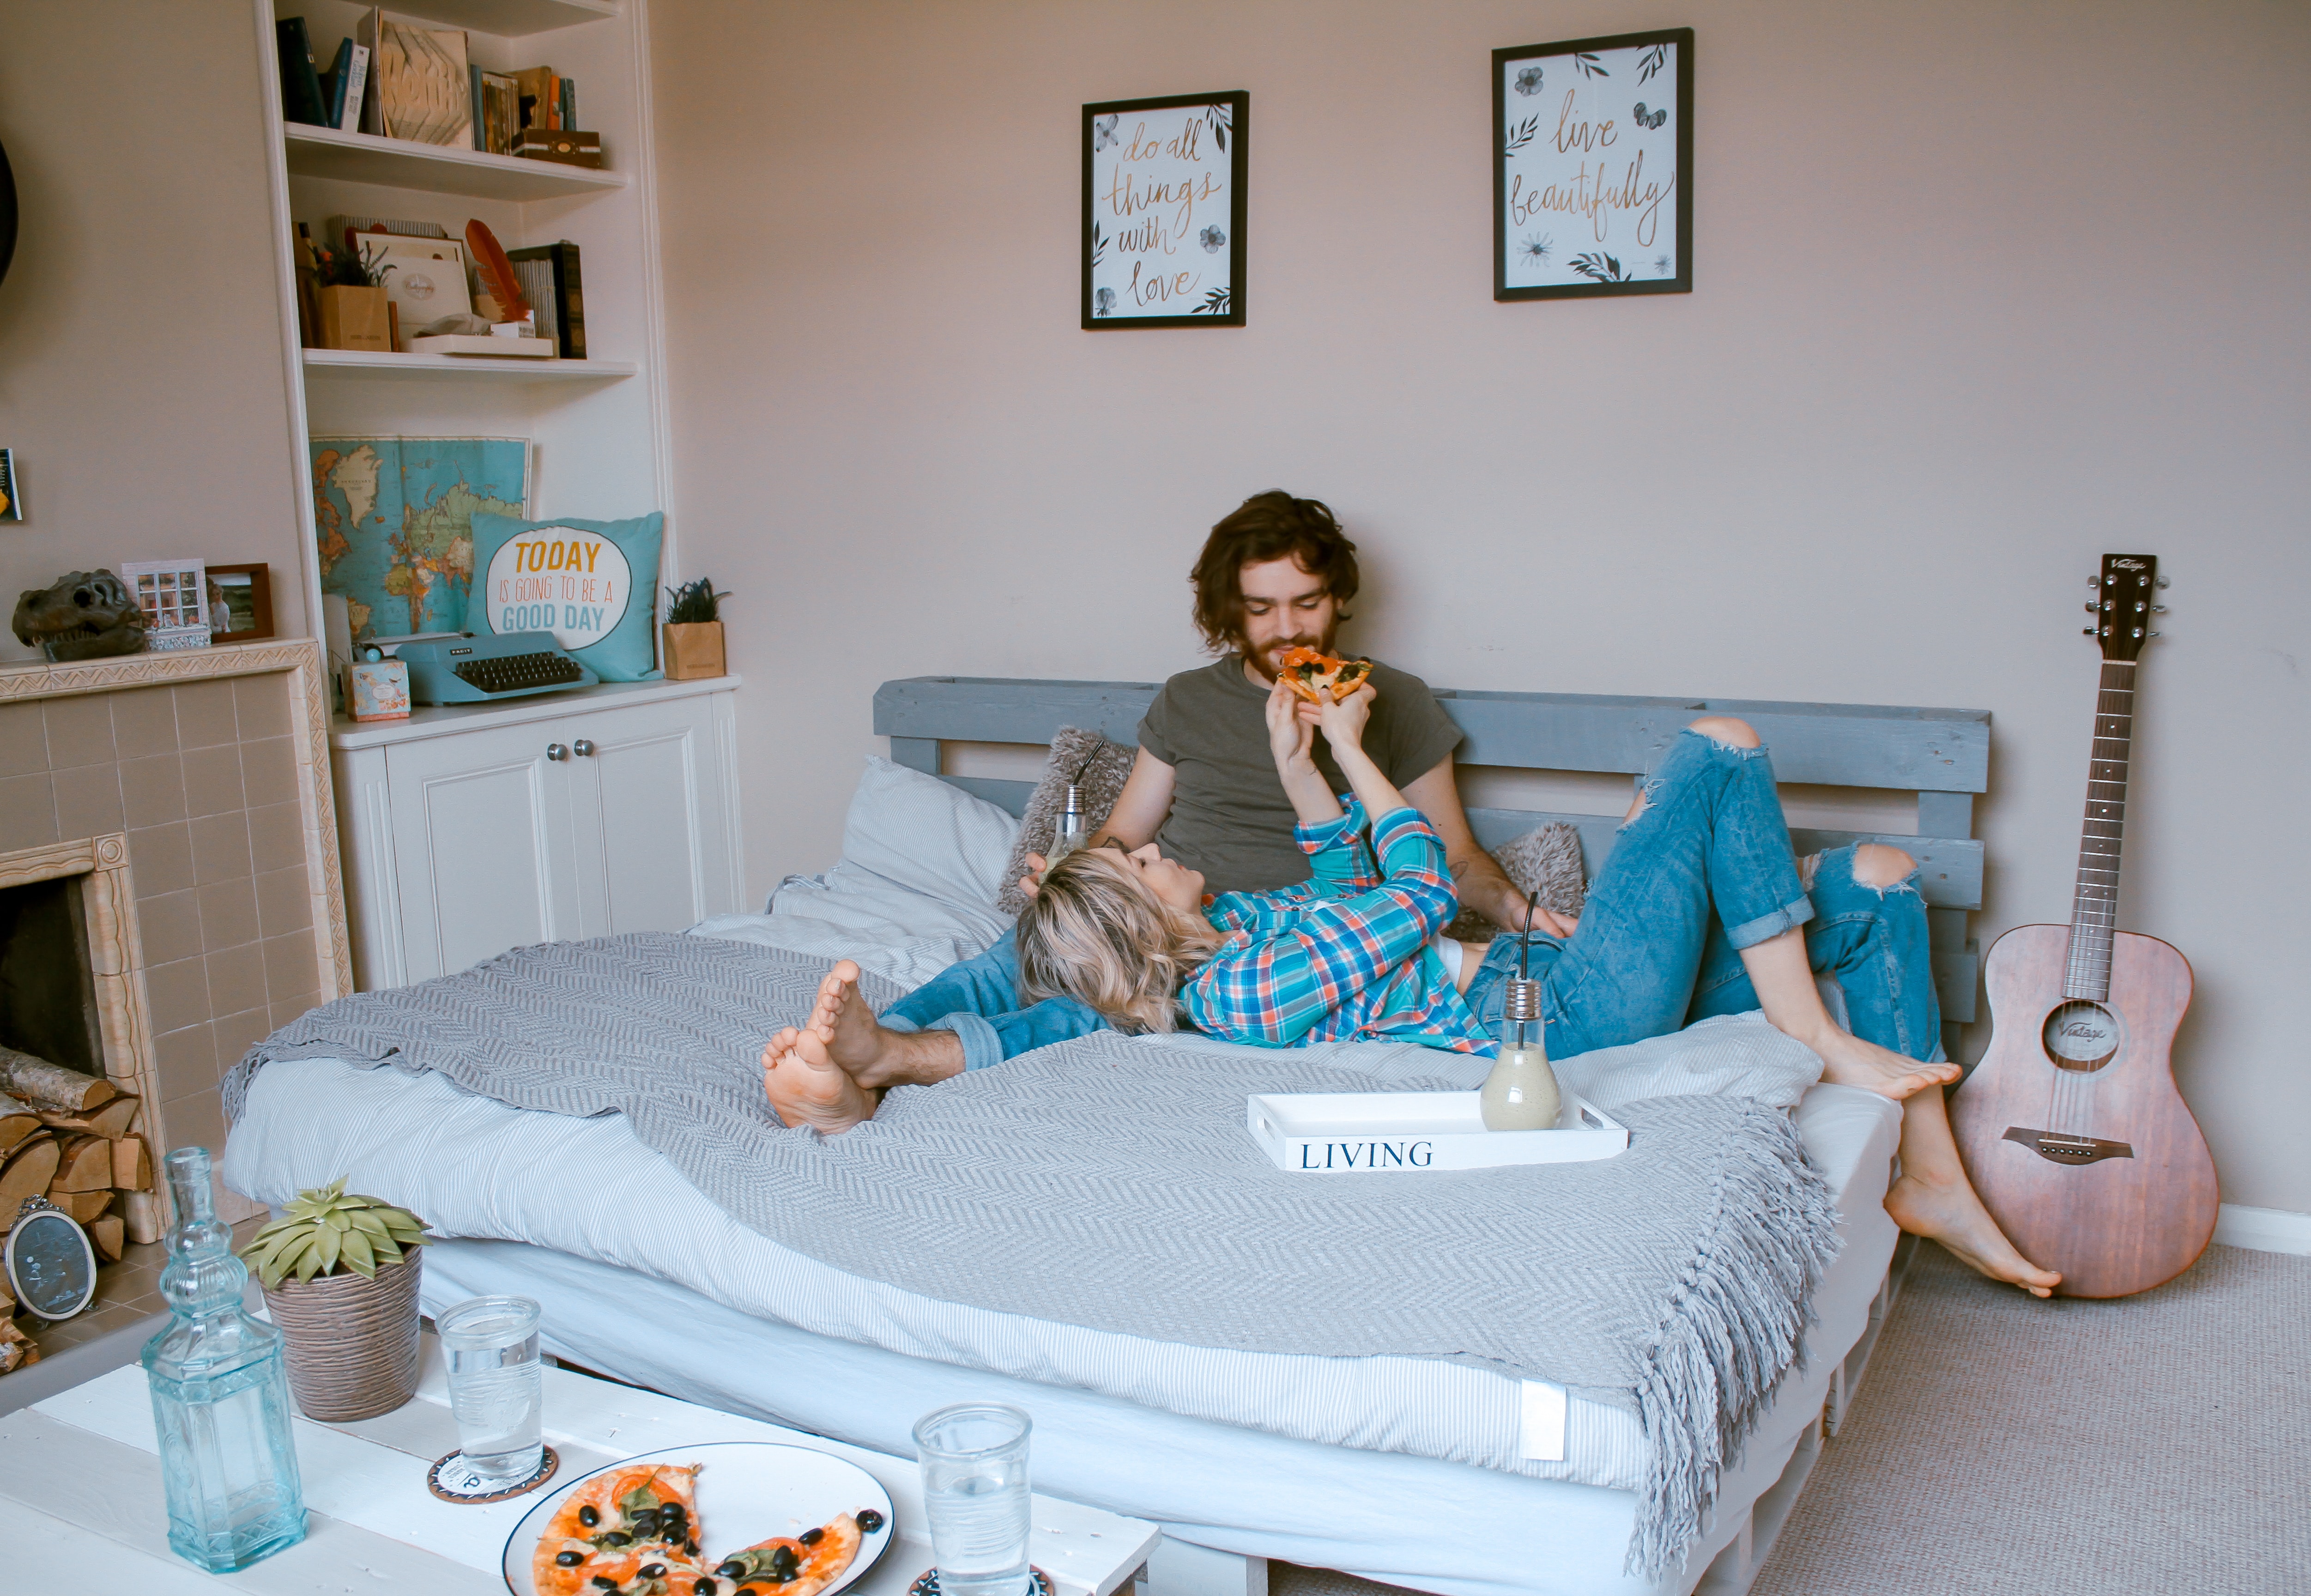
x=1163, y=210
x=1592, y=167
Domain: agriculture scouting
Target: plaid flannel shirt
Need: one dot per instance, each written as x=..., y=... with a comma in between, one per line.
x=1343, y=956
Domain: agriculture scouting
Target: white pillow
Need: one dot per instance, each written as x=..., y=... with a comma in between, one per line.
x=927, y=836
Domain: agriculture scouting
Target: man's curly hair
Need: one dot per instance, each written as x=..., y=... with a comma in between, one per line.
x=1268, y=526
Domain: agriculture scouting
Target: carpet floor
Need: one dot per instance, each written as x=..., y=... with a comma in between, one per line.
x=2067, y=1448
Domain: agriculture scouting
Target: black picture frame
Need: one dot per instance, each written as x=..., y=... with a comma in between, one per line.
x=1515, y=135
x=252, y=586
x=1227, y=121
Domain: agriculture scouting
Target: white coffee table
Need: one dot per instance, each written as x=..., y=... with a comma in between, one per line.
x=80, y=1497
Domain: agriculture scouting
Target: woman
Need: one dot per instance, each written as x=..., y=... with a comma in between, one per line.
x=1700, y=910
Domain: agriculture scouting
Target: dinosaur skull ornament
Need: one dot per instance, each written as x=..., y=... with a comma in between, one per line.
x=85, y=615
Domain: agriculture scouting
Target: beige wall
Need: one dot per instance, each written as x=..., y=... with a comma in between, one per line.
x=1983, y=290
x=141, y=377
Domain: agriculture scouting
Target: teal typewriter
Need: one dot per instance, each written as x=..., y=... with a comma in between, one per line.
x=481, y=668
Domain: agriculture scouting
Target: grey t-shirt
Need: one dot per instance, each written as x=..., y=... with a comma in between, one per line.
x=1230, y=818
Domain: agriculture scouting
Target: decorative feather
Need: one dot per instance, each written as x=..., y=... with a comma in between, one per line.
x=496, y=271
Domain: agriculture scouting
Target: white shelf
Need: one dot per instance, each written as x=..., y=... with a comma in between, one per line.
x=507, y=18
x=362, y=363
x=448, y=719
x=437, y=169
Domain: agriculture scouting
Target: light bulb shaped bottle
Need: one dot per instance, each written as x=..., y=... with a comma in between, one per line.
x=1067, y=830
x=1520, y=1093
x=220, y=1395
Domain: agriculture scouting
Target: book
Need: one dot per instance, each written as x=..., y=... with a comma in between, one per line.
x=354, y=77
x=300, y=84
x=541, y=97
x=497, y=112
x=334, y=83
x=422, y=84
x=569, y=103
x=550, y=281
x=334, y=230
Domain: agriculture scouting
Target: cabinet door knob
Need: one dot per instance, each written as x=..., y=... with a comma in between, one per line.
x=556, y=751
x=584, y=749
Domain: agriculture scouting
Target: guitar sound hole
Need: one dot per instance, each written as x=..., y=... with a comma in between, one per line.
x=2081, y=1036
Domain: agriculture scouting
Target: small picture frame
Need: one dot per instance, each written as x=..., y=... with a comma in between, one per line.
x=50, y=1263
x=1592, y=167
x=1163, y=211
x=240, y=603
x=174, y=594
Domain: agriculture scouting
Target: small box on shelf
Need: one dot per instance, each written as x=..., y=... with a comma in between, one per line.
x=356, y=319
x=570, y=148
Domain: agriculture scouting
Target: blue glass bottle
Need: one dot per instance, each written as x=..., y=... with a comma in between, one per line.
x=220, y=1395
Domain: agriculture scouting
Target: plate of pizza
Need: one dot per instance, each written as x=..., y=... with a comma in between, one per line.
x=727, y=1518
x=1316, y=676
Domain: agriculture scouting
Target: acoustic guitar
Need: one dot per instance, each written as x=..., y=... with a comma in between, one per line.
x=2070, y=1127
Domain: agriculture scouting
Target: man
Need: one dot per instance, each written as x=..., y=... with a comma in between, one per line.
x=1274, y=576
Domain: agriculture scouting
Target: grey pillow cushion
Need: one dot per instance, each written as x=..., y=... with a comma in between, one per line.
x=1547, y=857
x=1098, y=768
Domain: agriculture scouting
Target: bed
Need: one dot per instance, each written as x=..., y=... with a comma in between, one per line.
x=1347, y=1463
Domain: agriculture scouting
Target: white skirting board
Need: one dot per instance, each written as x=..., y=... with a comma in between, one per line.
x=2266, y=1230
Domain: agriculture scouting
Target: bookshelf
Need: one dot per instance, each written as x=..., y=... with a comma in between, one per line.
x=435, y=169
x=362, y=365
x=598, y=426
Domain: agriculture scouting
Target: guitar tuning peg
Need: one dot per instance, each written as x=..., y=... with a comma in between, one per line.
x=2094, y=581
x=2154, y=635
x=2086, y=632
x=2166, y=581
x=2091, y=606
x=2158, y=609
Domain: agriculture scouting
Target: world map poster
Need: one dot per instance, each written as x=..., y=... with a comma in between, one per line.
x=394, y=518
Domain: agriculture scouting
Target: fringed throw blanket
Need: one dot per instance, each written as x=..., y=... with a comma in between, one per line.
x=1109, y=1183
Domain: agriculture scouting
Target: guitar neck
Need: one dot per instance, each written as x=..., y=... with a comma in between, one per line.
x=2094, y=903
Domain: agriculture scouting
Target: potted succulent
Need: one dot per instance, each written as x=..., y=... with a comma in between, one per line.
x=340, y=1275
x=693, y=632
x=355, y=313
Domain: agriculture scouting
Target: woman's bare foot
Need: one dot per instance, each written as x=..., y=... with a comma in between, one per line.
x=869, y=1053
x=1951, y=1214
x=807, y=1087
x=1847, y=1060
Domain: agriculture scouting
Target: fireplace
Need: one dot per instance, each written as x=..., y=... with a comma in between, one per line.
x=174, y=810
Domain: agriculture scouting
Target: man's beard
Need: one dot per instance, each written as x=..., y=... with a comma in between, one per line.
x=1265, y=663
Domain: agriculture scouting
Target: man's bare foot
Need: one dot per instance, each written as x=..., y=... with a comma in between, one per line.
x=869, y=1053
x=1952, y=1215
x=807, y=1087
x=1847, y=1060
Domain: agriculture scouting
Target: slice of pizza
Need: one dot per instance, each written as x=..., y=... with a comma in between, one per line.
x=1313, y=674
x=623, y=1531
x=795, y=1565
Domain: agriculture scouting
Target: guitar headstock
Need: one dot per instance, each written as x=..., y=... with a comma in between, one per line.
x=2124, y=601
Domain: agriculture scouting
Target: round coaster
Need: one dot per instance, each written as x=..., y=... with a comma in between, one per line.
x=449, y=1479
x=926, y=1584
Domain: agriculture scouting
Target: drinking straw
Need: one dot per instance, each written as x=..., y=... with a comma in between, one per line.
x=1524, y=946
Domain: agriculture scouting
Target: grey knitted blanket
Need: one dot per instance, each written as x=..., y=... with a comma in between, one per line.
x=1109, y=1183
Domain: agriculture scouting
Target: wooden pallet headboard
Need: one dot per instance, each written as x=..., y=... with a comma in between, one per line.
x=1943, y=756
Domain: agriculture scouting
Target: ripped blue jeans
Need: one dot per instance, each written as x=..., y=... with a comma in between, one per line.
x=1701, y=872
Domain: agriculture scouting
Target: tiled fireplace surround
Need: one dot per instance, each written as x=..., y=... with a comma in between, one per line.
x=214, y=763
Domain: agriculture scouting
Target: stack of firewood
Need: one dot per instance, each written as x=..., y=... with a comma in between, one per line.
x=74, y=1140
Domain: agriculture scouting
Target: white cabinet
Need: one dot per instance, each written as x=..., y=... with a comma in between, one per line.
x=469, y=829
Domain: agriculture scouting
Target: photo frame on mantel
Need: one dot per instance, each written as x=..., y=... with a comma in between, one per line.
x=1163, y=211
x=1592, y=167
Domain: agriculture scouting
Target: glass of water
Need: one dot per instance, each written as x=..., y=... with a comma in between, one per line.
x=975, y=1459
x=496, y=1385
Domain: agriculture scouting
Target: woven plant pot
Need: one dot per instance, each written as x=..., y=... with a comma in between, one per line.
x=352, y=1340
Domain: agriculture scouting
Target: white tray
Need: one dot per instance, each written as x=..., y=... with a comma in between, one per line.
x=1407, y=1132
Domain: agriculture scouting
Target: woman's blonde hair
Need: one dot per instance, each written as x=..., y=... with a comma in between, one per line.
x=1095, y=933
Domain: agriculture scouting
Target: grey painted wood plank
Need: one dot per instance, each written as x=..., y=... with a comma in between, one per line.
x=1892, y=746
x=1946, y=814
x=1010, y=797
x=917, y=753
x=1949, y=869
x=1957, y=981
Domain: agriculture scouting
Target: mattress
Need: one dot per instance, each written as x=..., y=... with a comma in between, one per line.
x=474, y=1167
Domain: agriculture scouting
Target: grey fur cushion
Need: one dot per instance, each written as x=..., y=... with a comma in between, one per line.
x=1104, y=767
x=1547, y=857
